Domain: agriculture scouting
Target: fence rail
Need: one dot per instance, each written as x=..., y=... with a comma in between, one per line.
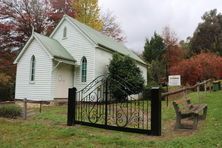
x=7, y=102
x=29, y=112
x=188, y=88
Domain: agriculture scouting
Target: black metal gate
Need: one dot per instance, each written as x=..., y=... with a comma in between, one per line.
x=95, y=105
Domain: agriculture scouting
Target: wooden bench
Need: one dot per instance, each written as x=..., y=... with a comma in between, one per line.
x=185, y=109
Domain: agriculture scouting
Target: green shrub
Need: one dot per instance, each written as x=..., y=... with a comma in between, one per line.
x=125, y=76
x=10, y=110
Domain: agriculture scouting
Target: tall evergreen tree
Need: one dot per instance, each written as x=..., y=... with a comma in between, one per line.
x=208, y=34
x=154, y=48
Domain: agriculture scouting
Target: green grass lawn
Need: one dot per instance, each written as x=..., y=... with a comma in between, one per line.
x=48, y=129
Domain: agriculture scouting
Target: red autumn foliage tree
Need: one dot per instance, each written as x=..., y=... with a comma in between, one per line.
x=62, y=7
x=7, y=68
x=173, y=53
x=198, y=68
x=58, y=9
x=17, y=19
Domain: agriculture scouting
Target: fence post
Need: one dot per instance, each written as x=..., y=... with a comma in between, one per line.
x=155, y=111
x=71, y=106
x=106, y=102
x=198, y=91
x=25, y=109
x=205, y=87
x=40, y=107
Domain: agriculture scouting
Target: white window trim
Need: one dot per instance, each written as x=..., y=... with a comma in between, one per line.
x=64, y=33
x=81, y=70
x=30, y=74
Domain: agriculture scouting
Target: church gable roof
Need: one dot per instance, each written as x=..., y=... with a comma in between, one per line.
x=53, y=48
x=104, y=41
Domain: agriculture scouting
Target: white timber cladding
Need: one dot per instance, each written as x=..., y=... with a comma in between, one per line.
x=143, y=69
x=62, y=79
x=40, y=89
x=103, y=59
x=78, y=46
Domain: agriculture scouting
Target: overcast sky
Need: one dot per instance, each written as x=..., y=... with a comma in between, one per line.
x=140, y=18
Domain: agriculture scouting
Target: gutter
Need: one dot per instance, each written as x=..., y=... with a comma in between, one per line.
x=102, y=46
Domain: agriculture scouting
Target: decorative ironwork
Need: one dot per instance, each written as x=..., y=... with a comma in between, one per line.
x=96, y=106
x=93, y=83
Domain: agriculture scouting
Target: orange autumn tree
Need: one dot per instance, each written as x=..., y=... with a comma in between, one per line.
x=198, y=68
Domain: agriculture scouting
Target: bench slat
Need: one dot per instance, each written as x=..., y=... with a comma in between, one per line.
x=185, y=109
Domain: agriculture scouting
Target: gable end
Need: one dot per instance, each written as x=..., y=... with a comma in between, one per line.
x=26, y=47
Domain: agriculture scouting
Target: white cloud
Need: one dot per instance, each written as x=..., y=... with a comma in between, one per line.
x=140, y=18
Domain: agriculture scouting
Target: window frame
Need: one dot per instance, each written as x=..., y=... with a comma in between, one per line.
x=83, y=69
x=64, y=32
x=32, y=69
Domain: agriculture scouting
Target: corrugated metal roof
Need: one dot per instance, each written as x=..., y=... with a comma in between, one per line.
x=105, y=41
x=54, y=47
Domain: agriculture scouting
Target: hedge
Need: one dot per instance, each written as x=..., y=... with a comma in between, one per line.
x=10, y=110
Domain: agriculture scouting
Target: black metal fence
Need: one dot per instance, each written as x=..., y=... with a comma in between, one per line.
x=96, y=106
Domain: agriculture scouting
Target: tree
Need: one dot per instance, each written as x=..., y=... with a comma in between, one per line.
x=111, y=28
x=88, y=12
x=153, y=53
x=5, y=80
x=58, y=9
x=186, y=46
x=62, y=7
x=153, y=49
x=17, y=19
x=169, y=37
x=198, y=68
x=7, y=68
x=174, y=53
x=208, y=34
x=156, y=72
x=124, y=70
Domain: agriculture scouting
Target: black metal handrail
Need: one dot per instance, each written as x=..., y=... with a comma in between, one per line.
x=126, y=87
x=135, y=87
x=103, y=81
x=91, y=84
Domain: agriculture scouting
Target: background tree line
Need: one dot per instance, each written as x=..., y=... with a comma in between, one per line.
x=195, y=59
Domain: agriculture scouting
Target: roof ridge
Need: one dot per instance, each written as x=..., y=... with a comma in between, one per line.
x=45, y=36
x=103, y=40
x=95, y=30
x=52, y=48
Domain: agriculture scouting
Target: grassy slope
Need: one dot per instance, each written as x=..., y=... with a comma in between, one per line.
x=49, y=129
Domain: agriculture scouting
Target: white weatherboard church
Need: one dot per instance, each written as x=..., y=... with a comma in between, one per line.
x=72, y=56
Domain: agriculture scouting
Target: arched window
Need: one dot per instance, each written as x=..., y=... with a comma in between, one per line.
x=65, y=32
x=83, y=69
x=32, y=75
